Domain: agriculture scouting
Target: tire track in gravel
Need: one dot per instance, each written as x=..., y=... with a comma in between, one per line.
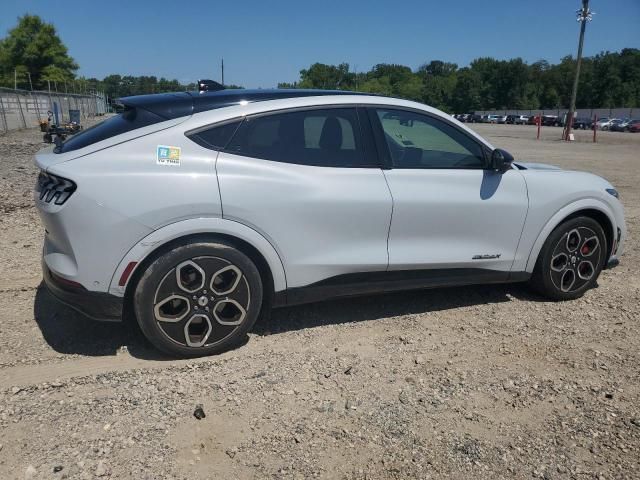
x=21, y=376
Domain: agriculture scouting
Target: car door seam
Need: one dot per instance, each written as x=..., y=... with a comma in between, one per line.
x=524, y=223
x=215, y=168
x=386, y=181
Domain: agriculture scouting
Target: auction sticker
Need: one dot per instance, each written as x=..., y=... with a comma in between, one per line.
x=166, y=155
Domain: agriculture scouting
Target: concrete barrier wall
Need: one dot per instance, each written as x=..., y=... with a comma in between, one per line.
x=24, y=109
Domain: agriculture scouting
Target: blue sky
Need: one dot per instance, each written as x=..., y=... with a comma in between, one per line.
x=266, y=42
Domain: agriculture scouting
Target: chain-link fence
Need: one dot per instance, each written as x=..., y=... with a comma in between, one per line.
x=580, y=112
x=25, y=109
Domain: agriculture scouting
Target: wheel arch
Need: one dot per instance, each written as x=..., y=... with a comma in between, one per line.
x=245, y=239
x=595, y=210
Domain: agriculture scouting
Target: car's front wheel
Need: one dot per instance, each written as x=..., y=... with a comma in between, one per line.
x=571, y=259
x=198, y=299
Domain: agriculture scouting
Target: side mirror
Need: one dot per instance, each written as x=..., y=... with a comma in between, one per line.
x=501, y=160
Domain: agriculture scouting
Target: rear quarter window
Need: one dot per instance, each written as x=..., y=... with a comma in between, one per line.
x=216, y=137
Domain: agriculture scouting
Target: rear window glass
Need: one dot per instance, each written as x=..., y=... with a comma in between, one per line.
x=124, y=122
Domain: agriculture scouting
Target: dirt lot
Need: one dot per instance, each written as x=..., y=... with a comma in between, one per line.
x=483, y=382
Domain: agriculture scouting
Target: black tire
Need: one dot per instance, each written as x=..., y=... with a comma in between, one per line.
x=180, y=334
x=552, y=276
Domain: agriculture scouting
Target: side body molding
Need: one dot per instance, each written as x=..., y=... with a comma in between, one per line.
x=526, y=262
x=198, y=226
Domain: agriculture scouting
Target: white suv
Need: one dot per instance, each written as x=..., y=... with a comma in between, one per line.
x=200, y=210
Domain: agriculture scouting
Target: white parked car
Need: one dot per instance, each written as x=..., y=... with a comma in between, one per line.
x=521, y=120
x=605, y=123
x=200, y=210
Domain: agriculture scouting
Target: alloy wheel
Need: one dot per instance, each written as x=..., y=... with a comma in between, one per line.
x=201, y=301
x=575, y=259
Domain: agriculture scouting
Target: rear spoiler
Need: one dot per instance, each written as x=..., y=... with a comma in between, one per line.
x=164, y=105
x=169, y=105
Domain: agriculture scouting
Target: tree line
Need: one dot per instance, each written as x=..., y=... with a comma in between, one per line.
x=608, y=79
x=33, y=56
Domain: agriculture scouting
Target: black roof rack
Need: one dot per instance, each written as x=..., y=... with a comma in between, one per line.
x=181, y=104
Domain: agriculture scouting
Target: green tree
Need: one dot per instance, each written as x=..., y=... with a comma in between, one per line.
x=331, y=77
x=609, y=79
x=33, y=46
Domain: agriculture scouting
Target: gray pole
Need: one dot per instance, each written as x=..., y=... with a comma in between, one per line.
x=30, y=84
x=15, y=79
x=583, y=16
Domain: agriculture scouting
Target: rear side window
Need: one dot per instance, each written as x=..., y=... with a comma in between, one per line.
x=126, y=121
x=215, y=138
x=318, y=137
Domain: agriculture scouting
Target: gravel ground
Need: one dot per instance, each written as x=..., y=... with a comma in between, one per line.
x=477, y=382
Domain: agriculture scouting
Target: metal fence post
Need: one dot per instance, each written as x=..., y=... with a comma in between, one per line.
x=4, y=115
x=36, y=102
x=50, y=103
x=24, y=121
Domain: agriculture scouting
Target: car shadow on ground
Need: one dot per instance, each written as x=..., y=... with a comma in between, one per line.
x=374, y=307
x=69, y=332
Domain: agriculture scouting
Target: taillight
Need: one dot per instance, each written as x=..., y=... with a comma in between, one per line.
x=54, y=189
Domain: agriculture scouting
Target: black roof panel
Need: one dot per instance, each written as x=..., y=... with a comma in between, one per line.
x=180, y=104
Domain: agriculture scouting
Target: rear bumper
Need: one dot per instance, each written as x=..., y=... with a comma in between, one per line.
x=95, y=305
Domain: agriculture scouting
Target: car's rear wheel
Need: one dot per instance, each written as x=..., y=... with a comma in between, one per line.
x=571, y=259
x=198, y=299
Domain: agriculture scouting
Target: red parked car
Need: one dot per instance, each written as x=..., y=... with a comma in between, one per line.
x=634, y=126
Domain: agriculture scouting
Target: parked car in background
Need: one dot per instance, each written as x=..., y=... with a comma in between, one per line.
x=634, y=126
x=492, y=118
x=475, y=118
x=533, y=120
x=521, y=119
x=583, y=123
x=620, y=126
x=549, y=120
x=502, y=119
x=511, y=119
x=605, y=123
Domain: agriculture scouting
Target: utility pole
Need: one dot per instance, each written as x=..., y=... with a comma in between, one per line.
x=584, y=16
x=355, y=76
x=222, y=68
x=15, y=78
x=30, y=84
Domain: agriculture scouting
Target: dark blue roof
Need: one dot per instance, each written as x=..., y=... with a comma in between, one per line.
x=180, y=104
